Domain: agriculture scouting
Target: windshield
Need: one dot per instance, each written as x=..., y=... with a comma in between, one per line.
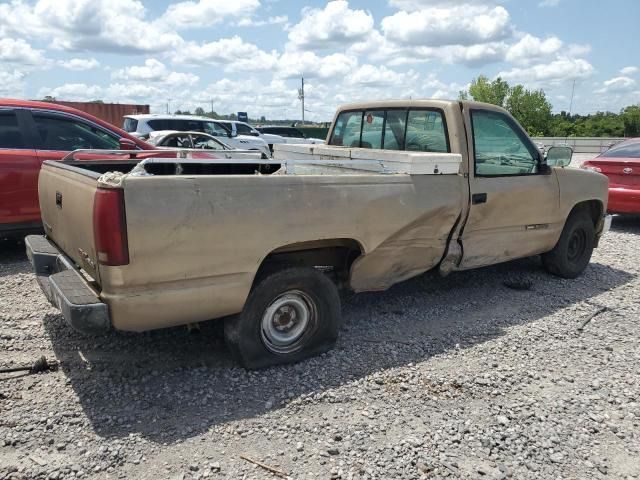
x=629, y=150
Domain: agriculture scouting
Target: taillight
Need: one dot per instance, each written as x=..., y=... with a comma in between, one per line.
x=593, y=168
x=110, y=227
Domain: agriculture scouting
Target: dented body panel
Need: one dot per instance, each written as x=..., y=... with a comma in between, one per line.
x=197, y=241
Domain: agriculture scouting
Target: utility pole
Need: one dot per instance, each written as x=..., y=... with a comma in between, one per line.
x=301, y=98
x=212, y=107
x=573, y=89
x=168, y=101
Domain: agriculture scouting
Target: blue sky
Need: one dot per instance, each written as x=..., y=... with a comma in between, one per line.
x=248, y=55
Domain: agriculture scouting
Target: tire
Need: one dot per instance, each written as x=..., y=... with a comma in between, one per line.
x=572, y=253
x=304, y=298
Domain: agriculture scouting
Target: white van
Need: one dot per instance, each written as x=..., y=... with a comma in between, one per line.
x=142, y=125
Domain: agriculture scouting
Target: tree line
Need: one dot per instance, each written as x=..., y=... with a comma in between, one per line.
x=532, y=109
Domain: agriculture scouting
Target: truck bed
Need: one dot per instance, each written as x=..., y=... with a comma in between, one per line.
x=198, y=230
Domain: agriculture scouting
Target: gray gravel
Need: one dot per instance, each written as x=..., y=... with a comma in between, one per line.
x=459, y=377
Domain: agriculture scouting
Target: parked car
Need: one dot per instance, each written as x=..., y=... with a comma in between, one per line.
x=199, y=141
x=241, y=128
x=291, y=134
x=197, y=241
x=143, y=125
x=621, y=164
x=32, y=132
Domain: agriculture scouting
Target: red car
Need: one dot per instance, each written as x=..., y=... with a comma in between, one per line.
x=621, y=163
x=31, y=132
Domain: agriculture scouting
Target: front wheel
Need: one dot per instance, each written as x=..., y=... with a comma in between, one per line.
x=290, y=315
x=572, y=253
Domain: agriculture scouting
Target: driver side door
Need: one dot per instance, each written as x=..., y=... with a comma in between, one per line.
x=514, y=209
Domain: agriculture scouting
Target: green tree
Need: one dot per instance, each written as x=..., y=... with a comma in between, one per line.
x=199, y=111
x=631, y=121
x=531, y=109
x=483, y=90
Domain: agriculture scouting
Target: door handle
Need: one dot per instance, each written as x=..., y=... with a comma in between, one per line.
x=477, y=198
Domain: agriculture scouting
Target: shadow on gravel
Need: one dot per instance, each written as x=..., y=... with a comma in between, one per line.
x=12, y=253
x=170, y=385
x=626, y=224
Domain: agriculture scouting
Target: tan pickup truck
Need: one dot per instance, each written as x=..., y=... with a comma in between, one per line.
x=401, y=187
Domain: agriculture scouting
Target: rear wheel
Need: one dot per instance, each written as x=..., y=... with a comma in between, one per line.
x=290, y=315
x=572, y=253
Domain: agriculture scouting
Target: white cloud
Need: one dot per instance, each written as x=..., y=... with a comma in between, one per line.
x=334, y=26
x=204, y=13
x=618, y=85
x=73, y=92
x=152, y=69
x=629, y=71
x=11, y=83
x=234, y=54
x=250, y=22
x=118, y=26
x=549, y=3
x=79, y=64
x=155, y=71
x=296, y=64
x=381, y=76
x=20, y=52
x=551, y=73
x=530, y=48
x=421, y=4
x=465, y=25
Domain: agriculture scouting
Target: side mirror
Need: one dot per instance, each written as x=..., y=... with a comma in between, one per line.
x=559, y=156
x=126, y=144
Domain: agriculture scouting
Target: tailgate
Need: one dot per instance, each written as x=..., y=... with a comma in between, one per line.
x=66, y=202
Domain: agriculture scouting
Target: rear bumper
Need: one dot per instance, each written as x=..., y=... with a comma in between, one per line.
x=66, y=288
x=623, y=200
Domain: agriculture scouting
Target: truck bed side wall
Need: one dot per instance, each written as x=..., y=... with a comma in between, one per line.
x=202, y=239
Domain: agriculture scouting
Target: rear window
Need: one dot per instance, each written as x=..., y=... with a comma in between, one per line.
x=421, y=130
x=130, y=125
x=631, y=150
x=10, y=135
x=346, y=132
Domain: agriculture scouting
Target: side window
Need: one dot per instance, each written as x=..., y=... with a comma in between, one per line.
x=10, y=134
x=295, y=133
x=206, y=143
x=500, y=147
x=243, y=129
x=394, y=129
x=426, y=132
x=183, y=141
x=130, y=125
x=215, y=129
x=346, y=132
x=372, y=129
x=66, y=134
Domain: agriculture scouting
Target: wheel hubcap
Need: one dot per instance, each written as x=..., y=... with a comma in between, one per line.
x=577, y=245
x=287, y=322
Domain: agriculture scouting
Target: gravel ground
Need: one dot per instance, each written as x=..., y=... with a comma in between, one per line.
x=459, y=377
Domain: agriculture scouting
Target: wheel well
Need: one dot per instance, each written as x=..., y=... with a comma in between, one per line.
x=334, y=256
x=592, y=207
